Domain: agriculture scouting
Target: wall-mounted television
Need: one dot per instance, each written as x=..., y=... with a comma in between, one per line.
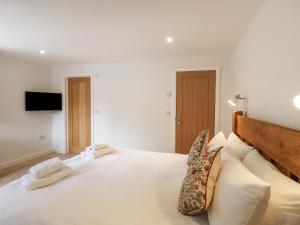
x=42, y=101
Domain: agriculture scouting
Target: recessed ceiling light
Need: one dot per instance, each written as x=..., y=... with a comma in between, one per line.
x=42, y=52
x=296, y=101
x=169, y=39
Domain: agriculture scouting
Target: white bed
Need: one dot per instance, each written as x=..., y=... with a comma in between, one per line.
x=128, y=187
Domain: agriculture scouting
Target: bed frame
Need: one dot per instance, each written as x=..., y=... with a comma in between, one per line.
x=279, y=145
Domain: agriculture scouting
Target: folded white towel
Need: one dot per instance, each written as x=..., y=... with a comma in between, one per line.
x=96, y=147
x=30, y=182
x=47, y=167
x=96, y=154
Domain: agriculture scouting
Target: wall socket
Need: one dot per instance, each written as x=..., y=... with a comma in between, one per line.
x=42, y=137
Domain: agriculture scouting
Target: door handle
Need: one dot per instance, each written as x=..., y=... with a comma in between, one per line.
x=178, y=120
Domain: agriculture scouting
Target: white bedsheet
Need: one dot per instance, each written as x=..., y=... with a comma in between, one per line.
x=124, y=188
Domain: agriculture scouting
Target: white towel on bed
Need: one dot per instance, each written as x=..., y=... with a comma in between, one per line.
x=96, y=147
x=93, y=154
x=47, y=167
x=30, y=182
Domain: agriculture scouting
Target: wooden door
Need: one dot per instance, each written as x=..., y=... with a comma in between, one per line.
x=79, y=113
x=195, y=106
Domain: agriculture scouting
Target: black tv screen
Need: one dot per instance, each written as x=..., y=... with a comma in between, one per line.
x=38, y=101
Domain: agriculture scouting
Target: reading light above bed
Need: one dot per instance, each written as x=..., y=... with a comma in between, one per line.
x=234, y=100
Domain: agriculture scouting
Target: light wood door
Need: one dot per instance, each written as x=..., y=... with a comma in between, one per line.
x=195, y=106
x=79, y=113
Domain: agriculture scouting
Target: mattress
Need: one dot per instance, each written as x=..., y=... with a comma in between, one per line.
x=128, y=187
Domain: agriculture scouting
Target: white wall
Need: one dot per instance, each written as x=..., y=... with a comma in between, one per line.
x=265, y=63
x=132, y=102
x=20, y=130
x=131, y=97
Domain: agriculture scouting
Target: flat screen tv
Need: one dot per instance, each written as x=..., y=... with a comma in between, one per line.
x=40, y=101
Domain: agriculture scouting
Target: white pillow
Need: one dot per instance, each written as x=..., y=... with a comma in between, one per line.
x=217, y=141
x=240, y=198
x=284, y=205
x=256, y=158
x=237, y=146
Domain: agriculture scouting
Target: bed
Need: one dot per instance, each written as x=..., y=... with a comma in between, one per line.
x=135, y=187
x=127, y=187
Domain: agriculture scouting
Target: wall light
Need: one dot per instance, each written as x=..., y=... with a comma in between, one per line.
x=42, y=52
x=234, y=100
x=296, y=101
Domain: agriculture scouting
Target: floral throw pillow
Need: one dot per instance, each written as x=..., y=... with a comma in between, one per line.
x=198, y=186
x=197, y=147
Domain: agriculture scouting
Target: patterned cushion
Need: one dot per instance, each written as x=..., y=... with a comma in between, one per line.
x=197, y=189
x=196, y=149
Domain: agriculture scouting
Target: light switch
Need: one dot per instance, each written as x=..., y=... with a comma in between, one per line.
x=169, y=94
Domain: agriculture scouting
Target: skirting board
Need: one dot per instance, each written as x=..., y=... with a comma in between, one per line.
x=23, y=159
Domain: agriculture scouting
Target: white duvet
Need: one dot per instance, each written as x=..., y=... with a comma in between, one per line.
x=124, y=188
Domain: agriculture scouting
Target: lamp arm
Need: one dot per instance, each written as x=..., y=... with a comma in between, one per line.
x=239, y=97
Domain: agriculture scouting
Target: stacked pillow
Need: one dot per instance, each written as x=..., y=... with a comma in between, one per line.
x=204, y=164
x=284, y=205
x=217, y=141
x=234, y=183
x=197, y=189
x=240, y=198
x=197, y=147
x=237, y=147
x=279, y=202
x=249, y=190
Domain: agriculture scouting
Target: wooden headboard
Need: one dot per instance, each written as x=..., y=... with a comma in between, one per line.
x=279, y=145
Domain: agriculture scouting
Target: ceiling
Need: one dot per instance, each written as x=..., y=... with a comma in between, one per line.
x=86, y=31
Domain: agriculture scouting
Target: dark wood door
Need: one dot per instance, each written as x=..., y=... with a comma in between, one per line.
x=195, y=106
